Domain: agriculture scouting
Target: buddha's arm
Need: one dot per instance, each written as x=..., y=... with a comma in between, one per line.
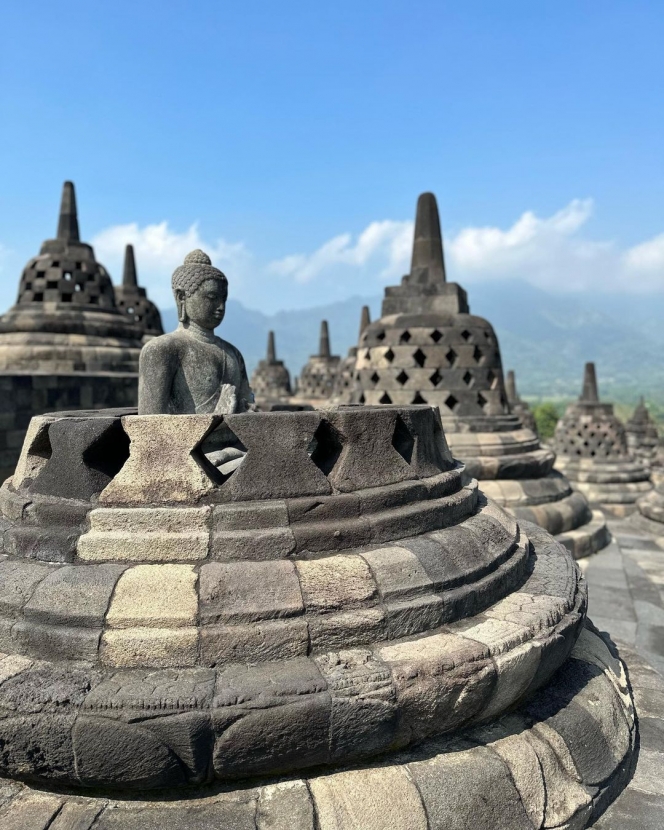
x=245, y=395
x=156, y=369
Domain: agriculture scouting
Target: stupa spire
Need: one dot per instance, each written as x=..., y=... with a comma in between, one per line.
x=428, y=241
x=271, y=348
x=510, y=387
x=68, y=219
x=365, y=318
x=589, y=393
x=324, y=347
x=129, y=278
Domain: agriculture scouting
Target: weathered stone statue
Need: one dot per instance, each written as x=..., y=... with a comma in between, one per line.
x=192, y=371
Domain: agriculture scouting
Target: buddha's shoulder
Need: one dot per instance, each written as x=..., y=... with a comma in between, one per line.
x=166, y=344
x=231, y=349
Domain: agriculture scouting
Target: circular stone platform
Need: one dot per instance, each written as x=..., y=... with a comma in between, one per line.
x=344, y=596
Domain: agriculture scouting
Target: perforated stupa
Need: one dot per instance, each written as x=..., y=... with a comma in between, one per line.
x=271, y=379
x=133, y=300
x=428, y=349
x=517, y=405
x=317, y=378
x=66, y=318
x=345, y=379
x=591, y=445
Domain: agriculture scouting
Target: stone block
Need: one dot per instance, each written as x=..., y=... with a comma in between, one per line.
x=189, y=736
x=110, y=752
x=33, y=810
x=379, y=499
x=36, y=450
x=346, y=629
x=453, y=787
x=368, y=799
x=336, y=582
x=155, y=596
x=398, y=572
x=284, y=806
x=151, y=692
x=331, y=536
x=341, y=506
x=56, y=641
x=277, y=464
x=255, y=642
x=412, y=616
x=277, y=739
x=47, y=687
x=37, y=744
x=74, y=595
x=165, y=461
x=17, y=582
x=52, y=544
x=146, y=534
x=252, y=545
x=515, y=672
x=240, y=592
x=250, y=515
x=151, y=647
x=77, y=815
x=234, y=811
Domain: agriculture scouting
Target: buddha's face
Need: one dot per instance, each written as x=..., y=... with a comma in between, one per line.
x=207, y=305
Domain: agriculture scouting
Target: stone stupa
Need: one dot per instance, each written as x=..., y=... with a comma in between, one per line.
x=592, y=451
x=66, y=318
x=133, y=300
x=346, y=375
x=428, y=349
x=271, y=380
x=642, y=434
x=517, y=405
x=316, y=380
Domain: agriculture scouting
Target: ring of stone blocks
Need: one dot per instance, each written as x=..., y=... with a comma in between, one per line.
x=555, y=763
x=60, y=719
x=177, y=612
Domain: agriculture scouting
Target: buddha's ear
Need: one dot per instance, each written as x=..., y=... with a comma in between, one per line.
x=180, y=297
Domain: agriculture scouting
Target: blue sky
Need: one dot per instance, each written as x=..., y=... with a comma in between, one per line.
x=291, y=139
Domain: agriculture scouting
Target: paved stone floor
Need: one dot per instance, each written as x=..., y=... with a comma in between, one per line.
x=626, y=600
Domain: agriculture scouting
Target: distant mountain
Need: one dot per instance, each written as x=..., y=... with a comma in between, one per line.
x=546, y=338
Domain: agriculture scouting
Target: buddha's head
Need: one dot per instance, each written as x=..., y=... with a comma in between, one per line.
x=200, y=290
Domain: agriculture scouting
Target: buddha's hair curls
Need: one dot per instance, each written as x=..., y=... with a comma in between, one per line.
x=197, y=268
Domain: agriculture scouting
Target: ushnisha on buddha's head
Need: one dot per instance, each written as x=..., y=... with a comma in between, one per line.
x=200, y=291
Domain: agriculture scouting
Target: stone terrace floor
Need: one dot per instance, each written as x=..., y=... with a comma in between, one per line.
x=626, y=600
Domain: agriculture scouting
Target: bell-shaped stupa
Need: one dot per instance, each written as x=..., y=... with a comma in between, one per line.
x=66, y=318
x=133, y=300
x=591, y=446
x=346, y=377
x=428, y=349
x=270, y=381
x=642, y=434
x=517, y=405
x=318, y=375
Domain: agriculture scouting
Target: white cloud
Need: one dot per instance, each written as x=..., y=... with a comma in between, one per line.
x=159, y=250
x=384, y=245
x=554, y=253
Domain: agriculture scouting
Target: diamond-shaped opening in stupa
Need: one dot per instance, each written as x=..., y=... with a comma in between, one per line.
x=325, y=447
x=481, y=400
x=418, y=399
x=402, y=377
x=468, y=379
x=451, y=356
x=466, y=335
x=385, y=398
x=419, y=357
x=451, y=402
x=477, y=355
x=402, y=440
x=436, y=336
x=389, y=355
x=380, y=335
x=492, y=379
x=435, y=378
x=405, y=337
x=375, y=378
x=219, y=453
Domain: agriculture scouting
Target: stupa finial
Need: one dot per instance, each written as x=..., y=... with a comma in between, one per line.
x=510, y=387
x=324, y=347
x=428, y=241
x=68, y=219
x=271, y=348
x=589, y=393
x=129, y=278
x=365, y=318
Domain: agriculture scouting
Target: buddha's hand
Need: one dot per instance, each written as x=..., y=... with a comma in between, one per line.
x=227, y=402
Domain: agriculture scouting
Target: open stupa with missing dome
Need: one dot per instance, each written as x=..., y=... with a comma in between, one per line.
x=428, y=349
x=592, y=451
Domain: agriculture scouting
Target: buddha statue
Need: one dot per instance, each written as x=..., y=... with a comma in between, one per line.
x=191, y=370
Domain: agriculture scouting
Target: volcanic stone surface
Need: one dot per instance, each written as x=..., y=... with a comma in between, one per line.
x=66, y=318
x=344, y=627
x=592, y=450
x=428, y=349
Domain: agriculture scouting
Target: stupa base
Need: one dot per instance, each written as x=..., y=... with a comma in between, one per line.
x=557, y=762
x=588, y=539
